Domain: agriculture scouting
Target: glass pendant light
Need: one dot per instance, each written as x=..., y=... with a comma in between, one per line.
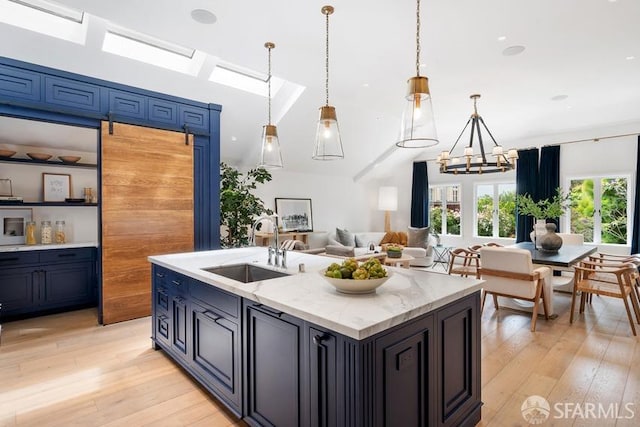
x=270, y=156
x=328, y=144
x=417, y=129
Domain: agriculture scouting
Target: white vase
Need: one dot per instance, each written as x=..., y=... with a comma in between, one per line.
x=539, y=229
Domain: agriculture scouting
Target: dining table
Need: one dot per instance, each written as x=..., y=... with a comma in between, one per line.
x=562, y=259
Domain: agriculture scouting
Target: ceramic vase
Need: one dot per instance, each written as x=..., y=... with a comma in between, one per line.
x=550, y=241
x=539, y=229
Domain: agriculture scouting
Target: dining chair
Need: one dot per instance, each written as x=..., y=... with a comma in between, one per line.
x=605, y=260
x=615, y=281
x=564, y=281
x=509, y=272
x=464, y=262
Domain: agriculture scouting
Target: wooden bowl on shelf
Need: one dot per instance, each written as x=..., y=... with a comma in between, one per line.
x=7, y=153
x=39, y=156
x=69, y=159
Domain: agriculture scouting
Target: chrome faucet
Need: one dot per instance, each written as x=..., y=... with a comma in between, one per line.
x=274, y=250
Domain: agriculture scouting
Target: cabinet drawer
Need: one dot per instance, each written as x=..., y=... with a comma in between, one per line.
x=18, y=258
x=67, y=255
x=216, y=298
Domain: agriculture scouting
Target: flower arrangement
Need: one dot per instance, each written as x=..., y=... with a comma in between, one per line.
x=546, y=208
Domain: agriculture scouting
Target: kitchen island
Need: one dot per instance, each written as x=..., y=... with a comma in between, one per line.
x=293, y=351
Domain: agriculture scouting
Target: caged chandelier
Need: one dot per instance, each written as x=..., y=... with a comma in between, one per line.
x=470, y=163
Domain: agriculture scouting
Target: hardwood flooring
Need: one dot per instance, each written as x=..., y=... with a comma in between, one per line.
x=65, y=370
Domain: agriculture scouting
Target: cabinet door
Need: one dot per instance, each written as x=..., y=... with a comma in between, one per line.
x=459, y=364
x=179, y=328
x=273, y=367
x=216, y=352
x=404, y=388
x=322, y=378
x=67, y=284
x=16, y=290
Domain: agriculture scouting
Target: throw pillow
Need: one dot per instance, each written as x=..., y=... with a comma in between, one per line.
x=403, y=239
x=390, y=237
x=345, y=237
x=344, y=251
x=418, y=237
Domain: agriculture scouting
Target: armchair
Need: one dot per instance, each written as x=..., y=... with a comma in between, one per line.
x=509, y=272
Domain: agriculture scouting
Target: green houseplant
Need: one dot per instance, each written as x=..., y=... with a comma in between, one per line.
x=238, y=206
x=545, y=208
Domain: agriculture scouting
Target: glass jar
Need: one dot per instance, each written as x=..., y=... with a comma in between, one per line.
x=46, y=232
x=60, y=234
x=30, y=233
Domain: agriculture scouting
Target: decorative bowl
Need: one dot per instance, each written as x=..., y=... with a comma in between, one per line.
x=69, y=159
x=6, y=153
x=352, y=286
x=394, y=254
x=39, y=156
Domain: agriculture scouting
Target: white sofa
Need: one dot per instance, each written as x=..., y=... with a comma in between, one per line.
x=328, y=243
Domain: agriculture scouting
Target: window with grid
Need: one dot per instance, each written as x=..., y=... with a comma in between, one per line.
x=444, y=209
x=495, y=206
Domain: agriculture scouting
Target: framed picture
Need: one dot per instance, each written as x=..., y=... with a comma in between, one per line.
x=294, y=214
x=55, y=187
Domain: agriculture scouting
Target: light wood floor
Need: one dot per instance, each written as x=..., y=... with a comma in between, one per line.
x=64, y=370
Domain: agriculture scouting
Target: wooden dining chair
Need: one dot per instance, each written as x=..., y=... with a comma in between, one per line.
x=612, y=281
x=509, y=272
x=464, y=262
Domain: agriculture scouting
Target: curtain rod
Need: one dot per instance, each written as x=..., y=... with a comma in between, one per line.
x=598, y=139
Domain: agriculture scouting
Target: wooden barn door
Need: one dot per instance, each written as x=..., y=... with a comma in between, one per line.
x=147, y=209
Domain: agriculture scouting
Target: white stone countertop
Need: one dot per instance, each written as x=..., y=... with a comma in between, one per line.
x=17, y=248
x=407, y=294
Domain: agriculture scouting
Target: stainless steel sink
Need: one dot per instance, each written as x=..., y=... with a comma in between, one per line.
x=245, y=273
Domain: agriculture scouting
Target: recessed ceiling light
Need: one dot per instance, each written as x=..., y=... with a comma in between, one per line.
x=234, y=139
x=203, y=16
x=630, y=57
x=502, y=38
x=513, y=50
x=559, y=97
x=365, y=85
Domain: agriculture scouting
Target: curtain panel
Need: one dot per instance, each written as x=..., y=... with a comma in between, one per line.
x=420, y=195
x=549, y=175
x=526, y=183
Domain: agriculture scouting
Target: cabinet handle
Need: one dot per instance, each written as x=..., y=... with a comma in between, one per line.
x=176, y=282
x=212, y=315
x=9, y=259
x=317, y=339
x=269, y=310
x=66, y=255
x=160, y=275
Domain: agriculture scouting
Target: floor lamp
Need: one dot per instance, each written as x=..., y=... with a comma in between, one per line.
x=387, y=202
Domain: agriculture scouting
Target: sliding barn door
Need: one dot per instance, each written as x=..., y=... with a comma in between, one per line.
x=147, y=209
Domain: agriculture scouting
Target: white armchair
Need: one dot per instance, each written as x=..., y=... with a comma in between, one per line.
x=509, y=272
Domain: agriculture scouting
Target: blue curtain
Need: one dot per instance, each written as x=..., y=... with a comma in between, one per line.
x=635, y=239
x=420, y=195
x=549, y=176
x=526, y=183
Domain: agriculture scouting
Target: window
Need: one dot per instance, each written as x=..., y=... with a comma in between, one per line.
x=496, y=210
x=444, y=209
x=600, y=209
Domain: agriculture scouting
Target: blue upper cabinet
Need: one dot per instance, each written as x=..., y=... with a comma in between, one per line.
x=162, y=111
x=193, y=117
x=127, y=104
x=20, y=84
x=72, y=94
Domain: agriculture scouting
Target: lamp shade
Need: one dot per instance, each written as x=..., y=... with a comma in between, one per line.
x=388, y=198
x=270, y=156
x=328, y=144
x=418, y=129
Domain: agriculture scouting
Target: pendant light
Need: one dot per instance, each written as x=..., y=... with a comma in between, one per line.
x=328, y=144
x=270, y=156
x=417, y=129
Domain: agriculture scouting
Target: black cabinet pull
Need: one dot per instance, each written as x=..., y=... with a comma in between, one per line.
x=66, y=255
x=160, y=275
x=211, y=315
x=269, y=310
x=176, y=282
x=317, y=339
x=9, y=259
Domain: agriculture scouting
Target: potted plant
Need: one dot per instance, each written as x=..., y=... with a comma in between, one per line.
x=238, y=206
x=541, y=211
x=394, y=251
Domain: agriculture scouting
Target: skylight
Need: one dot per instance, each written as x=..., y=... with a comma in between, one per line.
x=151, y=50
x=45, y=18
x=245, y=79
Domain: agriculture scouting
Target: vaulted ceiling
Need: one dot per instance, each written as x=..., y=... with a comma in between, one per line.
x=580, y=67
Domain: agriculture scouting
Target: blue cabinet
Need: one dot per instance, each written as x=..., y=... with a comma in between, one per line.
x=37, y=282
